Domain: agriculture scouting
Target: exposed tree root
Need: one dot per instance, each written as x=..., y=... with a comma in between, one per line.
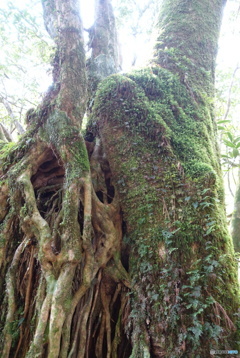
x=75, y=237
x=29, y=278
x=11, y=291
x=68, y=220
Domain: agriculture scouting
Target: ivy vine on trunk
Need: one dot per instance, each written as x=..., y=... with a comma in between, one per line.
x=114, y=242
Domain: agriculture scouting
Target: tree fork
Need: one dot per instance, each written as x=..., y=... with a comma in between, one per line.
x=55, y=166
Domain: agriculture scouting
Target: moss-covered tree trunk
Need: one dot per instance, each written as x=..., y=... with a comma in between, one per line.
x=164, y=161
x=235, y=224
x=117, y=246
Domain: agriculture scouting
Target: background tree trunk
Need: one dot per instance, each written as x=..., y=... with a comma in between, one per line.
x=117, y=246
x=103, y=43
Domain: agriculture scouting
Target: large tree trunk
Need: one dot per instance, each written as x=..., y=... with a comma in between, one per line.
x=118, y=246
x=235, y=223
x=164, y=161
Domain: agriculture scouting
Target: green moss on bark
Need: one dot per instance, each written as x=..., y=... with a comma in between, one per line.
x=162, y=152
x=236, y=221
x=187, y=41
x=68, y=142
x=162, y=106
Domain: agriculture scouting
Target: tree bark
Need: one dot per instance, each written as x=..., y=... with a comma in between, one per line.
x=117, y=246
x=188, y=41
x=165, y=164
x=69, y=228
x=235, y=223
x=103, y=43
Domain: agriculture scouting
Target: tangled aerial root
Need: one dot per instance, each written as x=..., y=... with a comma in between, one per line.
x=71, y=238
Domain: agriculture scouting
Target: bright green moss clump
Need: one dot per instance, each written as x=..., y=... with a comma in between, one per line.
x=162, y=106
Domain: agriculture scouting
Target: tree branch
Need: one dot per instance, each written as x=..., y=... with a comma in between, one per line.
x=11, y=115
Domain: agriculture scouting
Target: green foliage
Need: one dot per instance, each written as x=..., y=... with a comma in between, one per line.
x=6, y=152
x=231, y=141
x=136, y=21
x=26, y=50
